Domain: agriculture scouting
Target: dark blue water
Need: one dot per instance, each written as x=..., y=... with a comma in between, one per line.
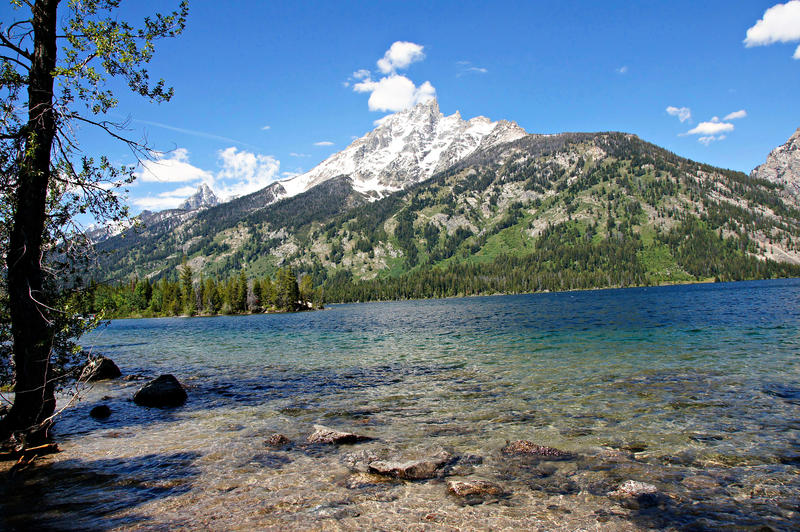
x=693, y=388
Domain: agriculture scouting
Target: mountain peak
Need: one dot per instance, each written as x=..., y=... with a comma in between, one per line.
x=203, y=198
x=783, y=167
x=406, y=148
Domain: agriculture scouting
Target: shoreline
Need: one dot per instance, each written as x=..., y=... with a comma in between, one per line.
x=709, y=281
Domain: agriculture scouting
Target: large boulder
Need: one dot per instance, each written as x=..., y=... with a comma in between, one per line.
x=161, y=392
x=98, y=369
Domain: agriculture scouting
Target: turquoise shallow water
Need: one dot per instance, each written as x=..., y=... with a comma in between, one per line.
x=695, y=389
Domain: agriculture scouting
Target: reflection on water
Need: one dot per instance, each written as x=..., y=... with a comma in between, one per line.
x=693, y=389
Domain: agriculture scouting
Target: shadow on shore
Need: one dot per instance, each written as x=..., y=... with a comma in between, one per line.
x=56, y=496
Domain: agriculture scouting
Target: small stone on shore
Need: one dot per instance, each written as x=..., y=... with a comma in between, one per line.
x=635, y=494
x=277, y=440
x=528, y=448
x=100, y=412
x=327, y=435
x=474, y=487
x=412, y=469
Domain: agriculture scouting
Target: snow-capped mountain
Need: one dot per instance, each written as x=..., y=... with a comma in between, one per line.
x=203, y=198
x=406, y=148
x=783, y=166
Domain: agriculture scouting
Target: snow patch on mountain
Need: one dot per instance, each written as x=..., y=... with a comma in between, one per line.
x=406, y=148
x=203, y=198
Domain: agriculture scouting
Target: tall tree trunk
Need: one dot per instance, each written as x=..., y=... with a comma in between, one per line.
x=34, y=400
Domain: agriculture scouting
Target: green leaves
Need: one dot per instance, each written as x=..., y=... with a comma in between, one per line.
x=100, y=46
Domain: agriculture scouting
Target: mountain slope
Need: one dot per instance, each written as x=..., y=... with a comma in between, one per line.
x=783, y=167
x=541, y=212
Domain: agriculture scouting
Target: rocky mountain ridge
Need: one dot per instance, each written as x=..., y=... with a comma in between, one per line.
x=406, y=148
x=202, y=199
x=783, y=167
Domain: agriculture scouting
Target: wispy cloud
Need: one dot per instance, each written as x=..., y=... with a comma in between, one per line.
x=193, y=132
x=466, y=67
x=736, y=114
x=295, y=154
x=711, y=138
x=683, y=113
x=780, y=23
x=266, y=128
x=323, y=143
x=622, y=70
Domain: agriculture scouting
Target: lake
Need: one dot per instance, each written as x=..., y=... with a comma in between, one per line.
x=694, y=389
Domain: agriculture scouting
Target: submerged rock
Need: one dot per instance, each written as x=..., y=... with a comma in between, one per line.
x=98, y=369
x=161, y=392
x=277, y=440
x=528, y=448
x=100, y=412
x=327, y=435
x=474, y=487
x=412, y=469
x=635, y=494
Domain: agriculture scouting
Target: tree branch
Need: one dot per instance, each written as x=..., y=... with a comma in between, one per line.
x=8, y=44
x=17, y=61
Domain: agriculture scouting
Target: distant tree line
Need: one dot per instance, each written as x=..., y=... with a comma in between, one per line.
x=188, y=296
x=568, y=258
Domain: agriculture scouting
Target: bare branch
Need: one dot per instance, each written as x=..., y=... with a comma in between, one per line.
x=8, y=44
x=17, y=61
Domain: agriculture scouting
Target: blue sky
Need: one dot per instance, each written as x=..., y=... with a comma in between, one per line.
x=265, y=89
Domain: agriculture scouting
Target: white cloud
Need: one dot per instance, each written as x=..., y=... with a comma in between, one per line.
x=399, y=56
x=709, y=139
x=395, y=93
x=623, y=69
x=295, y=154
x=736, y=114
x=244, y=172
x=171, y=199
x=323, y=143
x=683, y=113
x=266, y=128
x=240, y=172
x=780, y=23
x=714, y=127
x=172, y=167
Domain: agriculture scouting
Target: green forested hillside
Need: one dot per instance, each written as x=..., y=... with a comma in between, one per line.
x=550, y=212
